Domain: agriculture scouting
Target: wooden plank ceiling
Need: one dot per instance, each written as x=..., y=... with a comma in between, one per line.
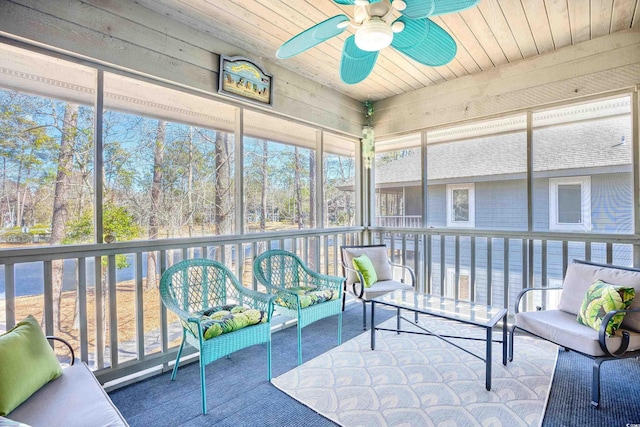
x=494, y=33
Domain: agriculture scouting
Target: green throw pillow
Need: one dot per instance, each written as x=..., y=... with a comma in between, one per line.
x=364, y=265
x=602, y=298
x=27, y=363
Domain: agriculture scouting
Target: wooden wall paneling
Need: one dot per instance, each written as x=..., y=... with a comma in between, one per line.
x=455, y=24
x=580, y=20
x=601, y=13
x=558, y=15
x=492, y=14
x=476, y=23
x=519, y=25
x=572, y=72
x=622, y=16
x=540, y=29
x=330, y=108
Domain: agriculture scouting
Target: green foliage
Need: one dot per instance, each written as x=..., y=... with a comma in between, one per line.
x=117, y=222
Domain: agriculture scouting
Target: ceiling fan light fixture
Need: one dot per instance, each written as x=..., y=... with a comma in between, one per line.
x=374, y=35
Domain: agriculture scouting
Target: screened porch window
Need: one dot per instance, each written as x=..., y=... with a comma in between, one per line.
x=570, y=203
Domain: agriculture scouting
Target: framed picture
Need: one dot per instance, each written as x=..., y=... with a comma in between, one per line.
x=243, y=79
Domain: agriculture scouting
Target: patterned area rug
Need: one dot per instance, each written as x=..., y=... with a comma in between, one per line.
x=420, y=380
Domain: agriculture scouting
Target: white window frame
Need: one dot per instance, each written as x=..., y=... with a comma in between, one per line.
x=471, y=187
x=585, y=199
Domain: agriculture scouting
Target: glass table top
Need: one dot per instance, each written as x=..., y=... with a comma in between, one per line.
x=447, y=308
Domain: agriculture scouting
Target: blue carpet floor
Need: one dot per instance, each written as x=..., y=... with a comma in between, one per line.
x=570, y=397
x=238, y=393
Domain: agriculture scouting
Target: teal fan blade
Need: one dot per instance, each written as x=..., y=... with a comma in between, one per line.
x=417, y=9
x=356, y=64
x=352, y=2
x=313, y=36
x=424, y=41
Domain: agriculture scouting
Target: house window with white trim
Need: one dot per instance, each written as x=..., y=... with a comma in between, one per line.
x=570, y=203
x=461, y=205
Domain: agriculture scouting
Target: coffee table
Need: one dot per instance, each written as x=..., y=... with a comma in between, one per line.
x=469, y=313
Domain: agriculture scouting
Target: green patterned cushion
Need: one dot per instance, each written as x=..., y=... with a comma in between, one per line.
x=602, y=298
x=227, y=318
x=364, y=265
x=308, y=296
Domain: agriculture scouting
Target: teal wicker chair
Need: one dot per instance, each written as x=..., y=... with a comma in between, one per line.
x=299, y=292
x=195, y=288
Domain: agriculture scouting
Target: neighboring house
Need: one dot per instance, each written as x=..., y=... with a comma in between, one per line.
x=582, y=176
x=476, y=178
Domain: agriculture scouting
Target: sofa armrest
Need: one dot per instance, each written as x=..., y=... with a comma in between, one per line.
x=525, y=291
x=602, y=333
x=72, y=354
x=409, y=269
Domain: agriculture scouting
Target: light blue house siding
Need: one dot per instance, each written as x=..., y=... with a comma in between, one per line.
x=502, y=205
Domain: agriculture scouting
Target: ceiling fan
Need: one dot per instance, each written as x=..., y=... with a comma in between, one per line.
x=412, y=34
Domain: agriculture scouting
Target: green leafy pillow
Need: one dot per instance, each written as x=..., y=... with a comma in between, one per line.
x=602, y=298
x=27, y=363
x=364, y=265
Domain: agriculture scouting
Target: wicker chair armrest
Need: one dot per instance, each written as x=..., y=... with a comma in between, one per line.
x=525, y=291
x=258, y=299
x=409, y=269
x=66, y=343
x=325, y=281
x=602, y=334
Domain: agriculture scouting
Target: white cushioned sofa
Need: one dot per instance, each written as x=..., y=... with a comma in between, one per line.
x=560, y=325
x=75, y=399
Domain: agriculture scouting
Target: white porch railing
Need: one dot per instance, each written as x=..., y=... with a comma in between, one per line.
x=118, y=312
x=115, y=313
x=473, y=264
x=402, y=221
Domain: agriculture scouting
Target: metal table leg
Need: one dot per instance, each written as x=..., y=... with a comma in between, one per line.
x=373, y=325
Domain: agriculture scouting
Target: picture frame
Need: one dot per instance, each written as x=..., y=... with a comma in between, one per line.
x=241, y=78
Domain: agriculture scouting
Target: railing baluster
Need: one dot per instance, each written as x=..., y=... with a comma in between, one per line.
x=587, y=251
x=489, y=270
x=9, y=296
x=113, y=311
x=82, y=309
x=609, y=253
x=472, y=269
x=99, y=313
x=505, y=274
x=48, y=298
x=443, y=264
x=164, y=324
x=429, y=263
x=139, y=301
x=456, y=289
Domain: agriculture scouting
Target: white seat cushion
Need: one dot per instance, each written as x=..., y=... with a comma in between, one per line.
x=380, y=288
x=563, y=329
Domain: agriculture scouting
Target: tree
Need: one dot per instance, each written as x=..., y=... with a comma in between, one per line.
x=156, y=200
x=265, y=185
x=61, y=199
x=223, y=196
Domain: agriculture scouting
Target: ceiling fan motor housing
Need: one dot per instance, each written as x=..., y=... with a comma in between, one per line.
x=374, y=35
